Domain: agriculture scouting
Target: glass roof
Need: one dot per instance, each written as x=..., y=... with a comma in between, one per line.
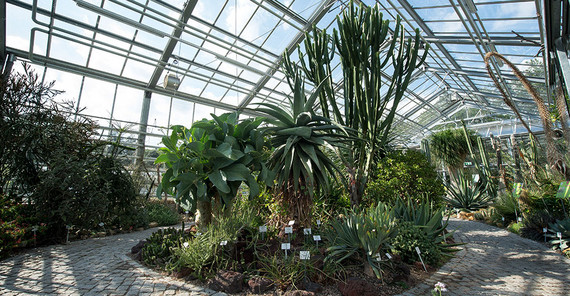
x=108, y=55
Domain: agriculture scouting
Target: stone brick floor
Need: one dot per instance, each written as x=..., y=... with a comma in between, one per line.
x=494, y=262
x=497, y=262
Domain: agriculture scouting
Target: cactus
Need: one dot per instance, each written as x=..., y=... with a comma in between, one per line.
x=366, y=49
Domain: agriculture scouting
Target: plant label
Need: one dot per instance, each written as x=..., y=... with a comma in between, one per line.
x=101, y=224
x=475, y=178
x=563, y=190
x=35, y=228
x=418, y=250
x=545, y=230
x=305, y=255
x=559, y=235
x=223, y=243
x=186, y=244
x=186, y=212
x=519, y=219
x=288, y=230
x=388, y=256
x=503, y=219
x=285, y=246
x=378, y=257
x=306, y=231
x=316, y=238
x=318, y=222
x=263, y=228
x=291, y=223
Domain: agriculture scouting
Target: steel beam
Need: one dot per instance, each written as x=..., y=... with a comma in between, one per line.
x=158, y=70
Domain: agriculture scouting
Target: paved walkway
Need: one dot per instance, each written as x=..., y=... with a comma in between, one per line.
x=494, y=262
x=96, y=266
x=497, y=262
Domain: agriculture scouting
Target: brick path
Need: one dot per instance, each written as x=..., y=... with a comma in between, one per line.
x=497, y=262
x=96, y=266
x=494, y=262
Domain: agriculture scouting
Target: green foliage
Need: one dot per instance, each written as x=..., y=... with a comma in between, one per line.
x=162, y=214
x=515, y=227
x=466, y=195
x=506, y=206
x=425, y=215
x=370, y=101
x=51, y=156
x=450, y=147
x=360, y=236
x=404, y=174
x=284, y=271
x=160, y=245
x=533, y=223
x=17, y=225
x=210, y=161
x=562, y=226
x=299, y=135
x=203, y=253
x=411, y=236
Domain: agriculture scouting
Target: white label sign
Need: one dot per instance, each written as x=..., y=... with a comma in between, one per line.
x=285, y=246
x=319, y=222
x=288, y=229
x=545, y=230
x=263, y=228
x=223, y=243
x=291, y=223
x=559, y=234
x=306, y=231
x=378, y=257
x=389, y=256
x=418, y=250
x=519, y=219
x=316, y=238
x=101, y=224
x=305, y=255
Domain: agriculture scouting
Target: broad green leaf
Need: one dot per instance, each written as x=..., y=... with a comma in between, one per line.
x=236, y=172
x=217, y=179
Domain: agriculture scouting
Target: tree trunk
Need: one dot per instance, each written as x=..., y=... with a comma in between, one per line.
x=204, y=213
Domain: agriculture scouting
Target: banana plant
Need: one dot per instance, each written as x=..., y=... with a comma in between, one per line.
x=300, y=136
x=208, y=162
x=377, y=68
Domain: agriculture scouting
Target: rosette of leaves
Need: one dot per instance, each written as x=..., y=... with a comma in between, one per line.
x=467, y=195
x=208, y=162
x=299, y=136
x=562, y=227
x=361, y=236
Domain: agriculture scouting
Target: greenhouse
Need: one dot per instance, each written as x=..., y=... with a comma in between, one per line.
x=285, y=147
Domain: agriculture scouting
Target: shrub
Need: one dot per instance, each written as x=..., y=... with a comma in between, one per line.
x=515, y=227
x=158, y=249
x=411, y=236
x=403, y=174
x=533, y=223
x=162, y=214
x=562, y=226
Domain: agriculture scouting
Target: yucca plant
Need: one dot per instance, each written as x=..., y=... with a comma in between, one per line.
x=361, y=236
x=299, y=136
x=465, y=195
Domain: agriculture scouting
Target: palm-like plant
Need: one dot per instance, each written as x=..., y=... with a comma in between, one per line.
x=463, y=194
x=299, y=136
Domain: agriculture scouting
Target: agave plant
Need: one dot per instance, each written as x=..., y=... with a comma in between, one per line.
x=361, y=236
x=562, y=227
x=299, y=136
x=467, y=195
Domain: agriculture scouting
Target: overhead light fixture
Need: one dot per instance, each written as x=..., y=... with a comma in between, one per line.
x=240, y=65
x=470, y=5
x=119, y=18
x=171, y=81
x=494, y=49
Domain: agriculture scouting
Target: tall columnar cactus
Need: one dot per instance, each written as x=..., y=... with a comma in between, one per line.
x=377, y=68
